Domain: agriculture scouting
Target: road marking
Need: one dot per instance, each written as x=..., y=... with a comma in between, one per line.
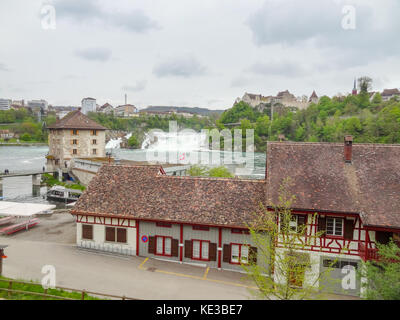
x=206, y=273
x=142, y=264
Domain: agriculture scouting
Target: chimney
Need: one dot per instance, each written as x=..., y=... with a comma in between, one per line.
x=348, y=149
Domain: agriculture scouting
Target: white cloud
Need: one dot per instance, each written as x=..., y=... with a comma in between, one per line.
x=182, y=66
x=95, y=54
x=138, y=86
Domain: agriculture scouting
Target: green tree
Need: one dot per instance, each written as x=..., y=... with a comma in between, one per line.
x=383, y=275
x=220, y=172
x=133, y=142
x=197, y=171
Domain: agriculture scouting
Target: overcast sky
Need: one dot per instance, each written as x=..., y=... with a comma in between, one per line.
x=203, y=53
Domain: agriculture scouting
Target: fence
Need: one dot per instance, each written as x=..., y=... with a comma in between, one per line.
x=10, y=290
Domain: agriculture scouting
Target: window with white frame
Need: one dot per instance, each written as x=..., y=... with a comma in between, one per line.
x=239, y=253
x=334, y=226
x=200, y=250
x=163, y=246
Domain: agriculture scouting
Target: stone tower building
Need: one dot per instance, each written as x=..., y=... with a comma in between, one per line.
x=74, y=136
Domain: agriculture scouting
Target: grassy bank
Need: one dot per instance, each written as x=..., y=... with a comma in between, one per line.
x=30, y=288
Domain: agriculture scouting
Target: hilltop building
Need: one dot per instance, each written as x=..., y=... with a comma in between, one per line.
x=137, y=210
x=313, y=98
x=74, y=136
x=88, y=105
x=106, y=108
x=126, y=111
x=388, y=94
x=284, y=98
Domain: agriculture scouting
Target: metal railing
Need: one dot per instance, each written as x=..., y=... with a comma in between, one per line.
x=83, y=293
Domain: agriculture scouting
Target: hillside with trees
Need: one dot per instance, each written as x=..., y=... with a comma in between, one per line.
x=369, y=120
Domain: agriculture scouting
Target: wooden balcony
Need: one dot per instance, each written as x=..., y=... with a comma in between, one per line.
x=367, y=253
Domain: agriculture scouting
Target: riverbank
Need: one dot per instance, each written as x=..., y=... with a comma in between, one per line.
x=23, y=144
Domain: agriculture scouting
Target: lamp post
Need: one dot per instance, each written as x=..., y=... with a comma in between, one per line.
x=2, y=247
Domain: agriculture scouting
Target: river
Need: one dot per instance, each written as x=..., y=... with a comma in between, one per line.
x=15, y=158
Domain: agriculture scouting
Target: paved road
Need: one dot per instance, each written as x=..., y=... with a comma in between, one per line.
x=119, y=275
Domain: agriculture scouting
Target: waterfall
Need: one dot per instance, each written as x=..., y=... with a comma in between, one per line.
x=116, y=143
x=182, y=141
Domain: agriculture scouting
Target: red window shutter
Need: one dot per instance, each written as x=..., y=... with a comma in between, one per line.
x=174, y=247
x=322, y=226
x=87, y=232
x=152, y=245
x=348, y=229
x=110, y=234
x=253, y=255
x=121, y=235
x=188, y=249
x=212, y=251
x=227, y=253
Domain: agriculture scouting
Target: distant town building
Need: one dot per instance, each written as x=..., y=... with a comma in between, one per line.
x=5, y=104
x=126, y=111
x=74, y=136
x=6, y=134
x=20, y=103
x=388, y=94
x=61, y=111
x=313, y=98
x=354, y=92
x=106, y=108
x=38, y=104
x=88, y=105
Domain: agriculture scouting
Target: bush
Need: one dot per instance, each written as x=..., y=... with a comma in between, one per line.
x=26, y=137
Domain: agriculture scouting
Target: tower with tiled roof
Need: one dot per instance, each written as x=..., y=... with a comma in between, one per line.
x=75, y=136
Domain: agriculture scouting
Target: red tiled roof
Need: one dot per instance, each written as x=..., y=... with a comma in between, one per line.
x=140, y=192
x=322, y=181
x=76, y=120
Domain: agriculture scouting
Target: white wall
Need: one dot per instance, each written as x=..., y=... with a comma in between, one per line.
x=99, y=237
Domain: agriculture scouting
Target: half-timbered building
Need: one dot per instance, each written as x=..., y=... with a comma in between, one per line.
x=347, y=194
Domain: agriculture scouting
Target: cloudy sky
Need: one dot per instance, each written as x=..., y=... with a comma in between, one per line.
x=203, y=53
